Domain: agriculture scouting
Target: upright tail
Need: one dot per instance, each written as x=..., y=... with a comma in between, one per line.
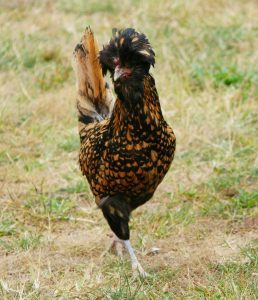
x=94, y=98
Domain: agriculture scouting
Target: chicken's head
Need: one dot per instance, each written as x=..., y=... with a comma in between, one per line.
x=127, y=55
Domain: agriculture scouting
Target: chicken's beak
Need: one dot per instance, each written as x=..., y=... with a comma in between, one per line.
x=118, y=73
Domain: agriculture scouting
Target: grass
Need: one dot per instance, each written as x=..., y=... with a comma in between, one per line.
x=203, y=216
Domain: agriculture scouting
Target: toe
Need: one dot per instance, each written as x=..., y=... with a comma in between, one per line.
x=139, y=271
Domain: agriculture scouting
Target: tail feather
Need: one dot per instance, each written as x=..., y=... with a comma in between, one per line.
x=94, y=98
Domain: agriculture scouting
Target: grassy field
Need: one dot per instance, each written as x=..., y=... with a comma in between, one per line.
x=204, y=215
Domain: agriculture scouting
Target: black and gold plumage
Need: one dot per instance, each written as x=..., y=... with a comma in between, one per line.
x=126, y=145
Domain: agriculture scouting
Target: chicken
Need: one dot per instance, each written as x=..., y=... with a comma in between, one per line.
x=126, y=145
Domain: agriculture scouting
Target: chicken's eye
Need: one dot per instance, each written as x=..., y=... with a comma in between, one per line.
x=116, y=61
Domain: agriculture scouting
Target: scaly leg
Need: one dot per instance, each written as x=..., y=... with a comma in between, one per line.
x=136, y=266
x=117, y=210
x=116, y=244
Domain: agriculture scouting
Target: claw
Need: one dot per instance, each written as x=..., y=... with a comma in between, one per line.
x=139, y=271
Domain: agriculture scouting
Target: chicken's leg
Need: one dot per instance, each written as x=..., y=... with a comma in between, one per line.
x=117, y=211
x=116, y=244
x=136, y=266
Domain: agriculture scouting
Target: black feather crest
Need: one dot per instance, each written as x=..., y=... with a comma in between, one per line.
x=129, y=46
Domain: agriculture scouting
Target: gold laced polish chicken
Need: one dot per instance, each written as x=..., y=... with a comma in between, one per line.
x=126, y=145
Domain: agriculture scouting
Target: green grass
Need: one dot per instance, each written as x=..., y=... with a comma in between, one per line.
x=203, y=217
x=7, y=227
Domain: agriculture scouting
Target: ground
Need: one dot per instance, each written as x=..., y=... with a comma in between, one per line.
x=203, y=217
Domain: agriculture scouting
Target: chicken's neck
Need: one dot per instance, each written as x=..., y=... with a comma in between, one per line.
x=143, y=115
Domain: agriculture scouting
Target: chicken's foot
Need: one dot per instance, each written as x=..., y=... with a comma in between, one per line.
x=117, y=245
x=136, y=266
